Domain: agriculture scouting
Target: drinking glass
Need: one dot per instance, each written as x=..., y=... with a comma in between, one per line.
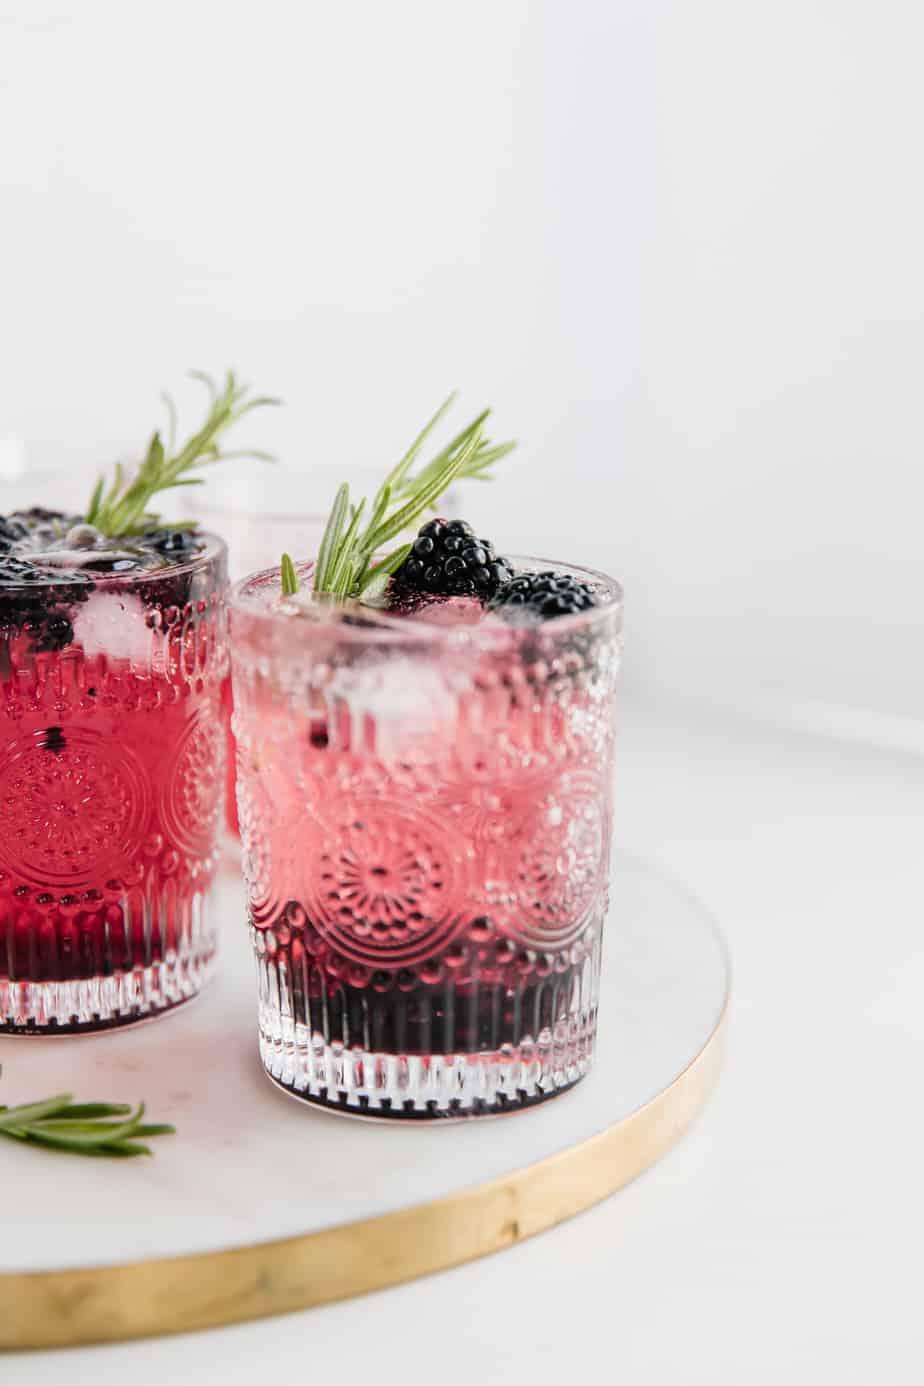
x=425, y=812
x=111, y=777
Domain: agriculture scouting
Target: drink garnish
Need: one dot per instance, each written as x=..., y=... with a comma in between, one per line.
x=109, y=1129
x=539, y=596
x=344, y=568
x=447, y=559
x=122, y=508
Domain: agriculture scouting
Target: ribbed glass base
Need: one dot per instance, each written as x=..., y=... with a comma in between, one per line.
x=422, y=1086
x=102, y=1003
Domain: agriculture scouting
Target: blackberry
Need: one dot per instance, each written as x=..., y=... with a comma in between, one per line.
x=174, y=543
x=114, y=563
x=38, y=601
x=20, y=571
x=540, y=596
x=448, y=560
x=39, y=514
x=11, y=531
x=56, y=633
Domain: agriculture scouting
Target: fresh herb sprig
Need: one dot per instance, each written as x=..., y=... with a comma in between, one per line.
x=344, y=568
x=108, y=1129
x=123, y=507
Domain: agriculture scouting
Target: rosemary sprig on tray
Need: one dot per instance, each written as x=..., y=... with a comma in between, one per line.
x=344, y=567
x=122, y=508
x=109, y=1129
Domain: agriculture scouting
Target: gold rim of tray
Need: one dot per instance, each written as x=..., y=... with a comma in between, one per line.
x=180, y=1294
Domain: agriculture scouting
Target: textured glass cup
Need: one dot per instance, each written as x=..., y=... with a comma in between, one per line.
x=111, y=777
x=425, y=812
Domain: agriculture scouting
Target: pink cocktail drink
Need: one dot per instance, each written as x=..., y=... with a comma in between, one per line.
x=425, y=805
x=112, y=658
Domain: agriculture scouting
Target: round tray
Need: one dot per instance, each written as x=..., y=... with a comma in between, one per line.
x=261, y=1205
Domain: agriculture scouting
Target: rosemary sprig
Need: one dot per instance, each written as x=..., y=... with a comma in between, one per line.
x=344, y=566
x=109, y=1129
x=122, y=509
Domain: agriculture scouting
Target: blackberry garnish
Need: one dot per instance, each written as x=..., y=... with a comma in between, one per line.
x=447, y=559
x=173, y=543
x=34, y=599
x=11, y=531
x=540, y=596
x=347, y=567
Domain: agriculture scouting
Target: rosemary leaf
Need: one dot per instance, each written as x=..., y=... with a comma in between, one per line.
x=95, y=499
x=416, y=506
x=461, y=439
x=289, y=577
x=379, y=508
x=173, y=421
x=341, y=562
x=376, y=578
x=397, y=474
x=331, y=539
x=206, y=380
x=86, y=1111
x=34, y=1111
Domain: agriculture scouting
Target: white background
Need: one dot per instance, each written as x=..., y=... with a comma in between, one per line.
x=678, y=247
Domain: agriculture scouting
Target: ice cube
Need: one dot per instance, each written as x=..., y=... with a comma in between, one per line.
x=113, y=624
x=409, y=702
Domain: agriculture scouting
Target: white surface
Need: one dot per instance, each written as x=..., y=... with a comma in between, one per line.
x=250, y=1164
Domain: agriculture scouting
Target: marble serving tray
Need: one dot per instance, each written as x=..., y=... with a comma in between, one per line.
x=261, y=1205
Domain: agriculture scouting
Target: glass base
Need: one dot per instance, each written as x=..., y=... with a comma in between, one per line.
x=88, y=1004
x=424, y=1086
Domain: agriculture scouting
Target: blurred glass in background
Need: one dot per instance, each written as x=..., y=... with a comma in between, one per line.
x=263, y=510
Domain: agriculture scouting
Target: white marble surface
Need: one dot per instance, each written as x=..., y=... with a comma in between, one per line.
x=779, y=1241
x=249, y=1163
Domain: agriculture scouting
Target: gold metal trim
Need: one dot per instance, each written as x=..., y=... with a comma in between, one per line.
x=178, y=1294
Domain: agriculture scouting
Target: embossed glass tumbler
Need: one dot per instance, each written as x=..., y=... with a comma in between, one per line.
x=111, y=777
x=425, y=809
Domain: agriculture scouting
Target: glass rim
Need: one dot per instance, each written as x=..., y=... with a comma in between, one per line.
x=215, y=548
x=387, y=627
